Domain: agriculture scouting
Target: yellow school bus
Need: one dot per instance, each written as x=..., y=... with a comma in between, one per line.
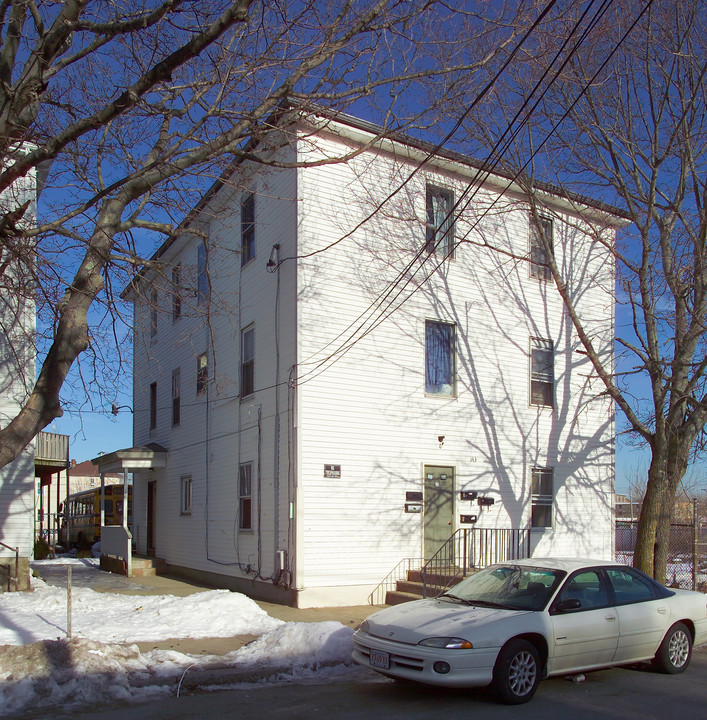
x=82, y=514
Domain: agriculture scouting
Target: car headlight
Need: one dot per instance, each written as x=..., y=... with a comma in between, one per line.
x=448, y=643
x=363, y=627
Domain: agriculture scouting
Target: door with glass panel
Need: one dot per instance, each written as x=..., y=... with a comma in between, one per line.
x=439, y=507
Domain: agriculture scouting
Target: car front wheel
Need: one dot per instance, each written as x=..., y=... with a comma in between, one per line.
x=517, y=672
x=675, y=651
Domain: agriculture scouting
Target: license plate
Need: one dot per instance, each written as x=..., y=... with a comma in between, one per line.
x=380, y=659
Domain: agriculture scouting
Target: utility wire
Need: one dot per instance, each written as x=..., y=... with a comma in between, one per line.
x=487, y=168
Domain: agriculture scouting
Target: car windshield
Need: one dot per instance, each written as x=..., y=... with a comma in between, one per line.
x=516, y=587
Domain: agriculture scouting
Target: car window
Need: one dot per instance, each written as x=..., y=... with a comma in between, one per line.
x=587, y=587
x=513, y=586
x=630, y=586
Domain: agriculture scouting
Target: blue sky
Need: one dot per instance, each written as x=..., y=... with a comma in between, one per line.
x=91, y=433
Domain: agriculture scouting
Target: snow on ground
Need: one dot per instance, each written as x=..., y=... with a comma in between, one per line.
x=108, y=617
x=39, y=666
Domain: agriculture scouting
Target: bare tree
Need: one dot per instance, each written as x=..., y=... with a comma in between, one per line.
x=611, y=102
x=127, y=110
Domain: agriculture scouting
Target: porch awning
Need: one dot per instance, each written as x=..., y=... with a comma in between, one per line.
x=143, y=457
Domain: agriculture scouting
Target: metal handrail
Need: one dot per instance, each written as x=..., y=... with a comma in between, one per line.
x=443, y=564
x=400, y=571
x=465, y=552
x=471, y=549
x=16, y=550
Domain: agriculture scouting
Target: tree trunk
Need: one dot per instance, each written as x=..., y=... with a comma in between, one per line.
x=651, y=509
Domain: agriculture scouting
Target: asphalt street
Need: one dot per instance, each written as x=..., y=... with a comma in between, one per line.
x=617, y=694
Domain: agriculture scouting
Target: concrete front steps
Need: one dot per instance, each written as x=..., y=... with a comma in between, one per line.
x=147, y=566
x=412, y=588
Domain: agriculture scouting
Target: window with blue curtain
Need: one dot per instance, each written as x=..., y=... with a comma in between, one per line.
x=440, y=221
x=439, y=358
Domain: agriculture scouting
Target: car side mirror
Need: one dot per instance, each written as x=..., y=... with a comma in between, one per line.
x=567, y=605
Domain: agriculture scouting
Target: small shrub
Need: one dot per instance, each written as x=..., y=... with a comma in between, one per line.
x=41, y=549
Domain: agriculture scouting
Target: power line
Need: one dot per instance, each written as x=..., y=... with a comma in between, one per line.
x=482, y=173
x=389, y=310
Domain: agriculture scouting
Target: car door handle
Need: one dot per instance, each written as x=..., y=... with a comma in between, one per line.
x=662, y=610
x=610, y=617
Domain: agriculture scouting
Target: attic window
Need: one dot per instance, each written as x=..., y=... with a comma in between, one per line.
x=539, y=257
x=440, y=221
x=247, y=228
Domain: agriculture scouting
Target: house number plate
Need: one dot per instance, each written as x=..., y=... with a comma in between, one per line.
x=380, y=659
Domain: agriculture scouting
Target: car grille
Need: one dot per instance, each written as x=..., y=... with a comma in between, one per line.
x=400, y=660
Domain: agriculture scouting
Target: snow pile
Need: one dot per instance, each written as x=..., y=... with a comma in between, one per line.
x=73, y=672
x=78, y=671
x=39, y=666
x=108, y=617
x=302, y=644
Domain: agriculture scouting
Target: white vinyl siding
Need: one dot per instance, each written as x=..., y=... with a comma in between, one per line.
x=338, y=385
x=17, y=377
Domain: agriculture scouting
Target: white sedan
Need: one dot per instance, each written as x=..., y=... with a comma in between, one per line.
x=515, y=623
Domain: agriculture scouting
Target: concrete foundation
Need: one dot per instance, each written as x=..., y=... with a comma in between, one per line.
x=8, y=581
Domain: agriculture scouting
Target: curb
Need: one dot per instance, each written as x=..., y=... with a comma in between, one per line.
x=194, y=678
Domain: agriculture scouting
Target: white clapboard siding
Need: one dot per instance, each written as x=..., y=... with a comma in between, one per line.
x=339, y=374
x=368, y=411
x=17, y=376
x=219, y=431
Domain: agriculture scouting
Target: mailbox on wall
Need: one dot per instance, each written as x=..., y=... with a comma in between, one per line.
x=486, y=501
x=468, y=519
x=468, y=495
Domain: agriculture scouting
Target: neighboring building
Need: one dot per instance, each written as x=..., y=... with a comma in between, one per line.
x=627, y=509
x=51, y=460
x=319, y=372
x=630, y=509
x=86, y=476
x=17, y=354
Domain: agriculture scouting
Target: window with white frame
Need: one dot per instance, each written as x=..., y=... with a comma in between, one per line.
x=539, y=256
x=542, y=497
x=202, y=373
x=439, y=221
x=245, y=497
x=176, y=397
x=542, y=372
x=176, y=292
x=153, y=405
x=247, y=361
x=247, y=228
x=439, y=358
x=186, y=494
x=202, y=273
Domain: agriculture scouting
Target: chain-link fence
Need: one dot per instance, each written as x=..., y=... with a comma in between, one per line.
x=687, y=554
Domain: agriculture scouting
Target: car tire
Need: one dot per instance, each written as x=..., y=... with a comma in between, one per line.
x=675, y=651
x=516, y=673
